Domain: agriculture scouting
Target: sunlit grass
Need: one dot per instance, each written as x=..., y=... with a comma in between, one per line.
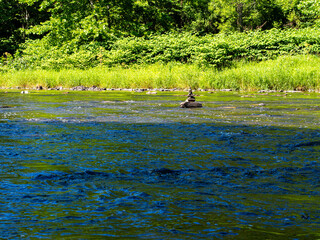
x=284, y=73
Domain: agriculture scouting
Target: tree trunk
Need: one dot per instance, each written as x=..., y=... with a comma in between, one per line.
x=240, y=16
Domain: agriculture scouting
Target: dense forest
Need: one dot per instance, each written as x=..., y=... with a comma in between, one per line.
x=82, y=33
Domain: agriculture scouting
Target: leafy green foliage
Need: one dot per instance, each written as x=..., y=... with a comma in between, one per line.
x=309, y=11
x=221, y=50
x=15, y=17
x=86, y=33
x=247, y=14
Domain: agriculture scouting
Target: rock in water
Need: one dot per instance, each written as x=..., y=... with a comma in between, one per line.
x=190, y=102
x=190, y=105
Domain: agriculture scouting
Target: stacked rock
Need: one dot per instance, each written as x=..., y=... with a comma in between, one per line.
x=190, y=102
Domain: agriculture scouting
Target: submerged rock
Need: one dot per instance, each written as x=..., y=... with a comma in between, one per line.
x=164, y=171
x=190, y=105
x=151, y=92
x=190, y=102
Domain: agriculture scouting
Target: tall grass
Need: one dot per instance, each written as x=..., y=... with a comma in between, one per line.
x=284, y=73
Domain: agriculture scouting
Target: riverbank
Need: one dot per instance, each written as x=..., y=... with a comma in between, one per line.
x=287, y=73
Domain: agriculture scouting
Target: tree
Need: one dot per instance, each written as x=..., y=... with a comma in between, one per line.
x=15, y=17
x=243, y=15
x=308, y=12
x=300, y=13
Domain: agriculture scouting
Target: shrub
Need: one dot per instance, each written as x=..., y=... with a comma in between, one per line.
x=219, y=51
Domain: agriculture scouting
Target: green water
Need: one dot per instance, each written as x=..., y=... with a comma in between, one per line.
x=105, y=165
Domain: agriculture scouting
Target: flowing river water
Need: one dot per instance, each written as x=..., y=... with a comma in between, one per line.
x=125, y=165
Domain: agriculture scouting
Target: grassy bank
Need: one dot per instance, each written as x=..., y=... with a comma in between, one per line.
x=284, y=73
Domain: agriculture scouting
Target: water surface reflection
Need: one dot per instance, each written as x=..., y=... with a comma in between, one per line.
x=110, y=166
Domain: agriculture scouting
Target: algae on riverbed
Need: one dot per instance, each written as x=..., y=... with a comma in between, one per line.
x=291, y=109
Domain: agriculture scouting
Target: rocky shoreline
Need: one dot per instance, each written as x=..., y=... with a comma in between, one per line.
x=147, y=90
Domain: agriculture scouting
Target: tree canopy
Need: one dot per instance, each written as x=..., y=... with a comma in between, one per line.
x=75, y=23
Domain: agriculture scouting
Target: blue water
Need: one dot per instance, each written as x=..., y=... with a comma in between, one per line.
x=129, y=169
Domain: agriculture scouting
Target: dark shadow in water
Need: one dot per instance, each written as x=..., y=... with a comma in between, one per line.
x=158, y=181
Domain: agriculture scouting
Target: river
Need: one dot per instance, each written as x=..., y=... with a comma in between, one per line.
x=125, y=165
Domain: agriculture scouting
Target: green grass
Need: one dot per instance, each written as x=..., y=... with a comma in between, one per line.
x=299, y=72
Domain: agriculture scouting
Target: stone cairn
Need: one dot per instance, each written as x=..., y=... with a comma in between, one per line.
x=190, y=102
